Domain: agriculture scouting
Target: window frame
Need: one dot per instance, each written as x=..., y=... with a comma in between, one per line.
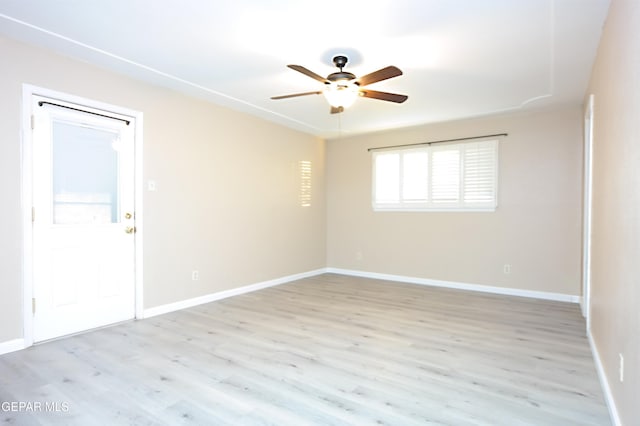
x=429, y=205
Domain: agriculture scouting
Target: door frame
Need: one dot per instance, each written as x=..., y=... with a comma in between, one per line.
x=28, y=91
x=587, y=211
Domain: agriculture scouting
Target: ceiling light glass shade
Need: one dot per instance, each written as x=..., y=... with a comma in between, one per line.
x=341, y=94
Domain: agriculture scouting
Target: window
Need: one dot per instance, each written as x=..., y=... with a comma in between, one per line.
x=304, y=167
x=447, y=177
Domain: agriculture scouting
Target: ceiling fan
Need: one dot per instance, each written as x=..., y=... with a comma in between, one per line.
x=342, y=88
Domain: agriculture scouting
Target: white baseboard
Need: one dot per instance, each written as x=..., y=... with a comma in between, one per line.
x=461, y=286
x=613, y=411
x=183, y=304
x=11, y=346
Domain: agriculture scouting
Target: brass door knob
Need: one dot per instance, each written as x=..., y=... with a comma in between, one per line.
x=130, y=229
x=128, y=215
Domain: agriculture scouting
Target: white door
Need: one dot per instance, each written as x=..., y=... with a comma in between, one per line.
x=586, y=217
x=83, y=220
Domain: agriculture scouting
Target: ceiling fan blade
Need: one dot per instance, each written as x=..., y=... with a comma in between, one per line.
x=384, y=96
x=294, y=95
x=381, y=74
x=337, y=110
x=309, y=73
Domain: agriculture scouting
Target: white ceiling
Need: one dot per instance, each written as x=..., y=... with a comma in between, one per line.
x=460, y=58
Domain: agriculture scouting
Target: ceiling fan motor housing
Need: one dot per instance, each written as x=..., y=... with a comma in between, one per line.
x=340, y=77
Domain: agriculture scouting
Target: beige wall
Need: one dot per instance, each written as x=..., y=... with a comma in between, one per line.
x=615, y=307
x=536, y=227
x=227, y=199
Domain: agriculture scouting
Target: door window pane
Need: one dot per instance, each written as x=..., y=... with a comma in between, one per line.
x=85, y=175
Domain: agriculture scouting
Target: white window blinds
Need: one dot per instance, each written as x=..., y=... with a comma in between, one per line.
x=461, y=176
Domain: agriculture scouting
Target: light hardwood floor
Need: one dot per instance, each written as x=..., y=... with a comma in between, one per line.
x=324, y=350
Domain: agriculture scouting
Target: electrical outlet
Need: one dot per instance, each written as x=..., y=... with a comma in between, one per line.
x=195, y=275
x=621, y=367
x=507, y=268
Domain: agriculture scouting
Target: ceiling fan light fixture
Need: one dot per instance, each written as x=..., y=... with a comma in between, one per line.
x=341, y=93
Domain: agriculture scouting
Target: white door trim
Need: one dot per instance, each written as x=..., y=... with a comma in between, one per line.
x=587, y=211
x=27, y=195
